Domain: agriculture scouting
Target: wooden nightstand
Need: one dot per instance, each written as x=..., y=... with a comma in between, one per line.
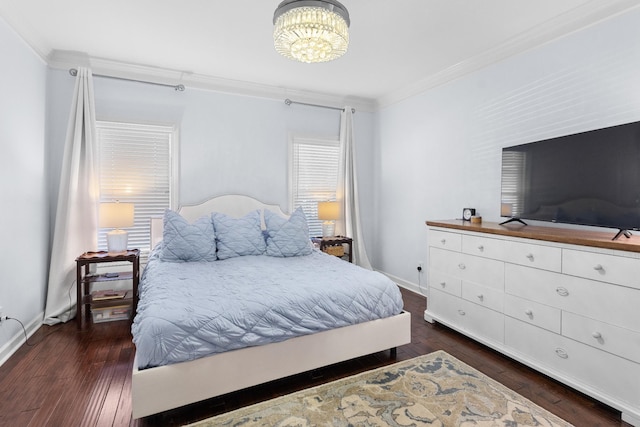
x=84, y=280
x=328, y=245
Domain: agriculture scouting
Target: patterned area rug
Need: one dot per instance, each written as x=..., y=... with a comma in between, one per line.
x=432, y=390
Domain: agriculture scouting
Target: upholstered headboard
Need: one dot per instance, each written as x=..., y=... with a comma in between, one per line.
x=234, y=205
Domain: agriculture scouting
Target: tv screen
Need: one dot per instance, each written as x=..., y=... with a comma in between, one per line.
x=589, y=178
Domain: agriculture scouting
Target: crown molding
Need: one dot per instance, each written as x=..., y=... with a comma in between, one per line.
x=577, y=19
x=38, y=50
x=105, y=67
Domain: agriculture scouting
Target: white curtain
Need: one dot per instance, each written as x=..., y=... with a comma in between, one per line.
x=348, y=189
x=76, y=218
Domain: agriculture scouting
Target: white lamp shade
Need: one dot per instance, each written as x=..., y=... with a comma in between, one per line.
x=116, y=215
x=328, y=211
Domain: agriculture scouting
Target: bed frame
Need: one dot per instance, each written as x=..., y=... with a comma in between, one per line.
x=167, y=387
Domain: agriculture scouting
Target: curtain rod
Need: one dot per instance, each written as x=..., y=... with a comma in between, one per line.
x=289, y=102
x=179, y=88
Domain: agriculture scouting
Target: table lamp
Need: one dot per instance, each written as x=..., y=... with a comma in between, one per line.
x=328, y=212
x=116, y=215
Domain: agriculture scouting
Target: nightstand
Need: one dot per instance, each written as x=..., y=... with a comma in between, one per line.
x=109, y=307
x=334, y=246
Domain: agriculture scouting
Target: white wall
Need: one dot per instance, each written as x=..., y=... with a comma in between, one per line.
x=228, y=143
x=440, y=151
x=23, y=215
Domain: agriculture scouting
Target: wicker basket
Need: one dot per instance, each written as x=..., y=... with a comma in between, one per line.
x=337, y=250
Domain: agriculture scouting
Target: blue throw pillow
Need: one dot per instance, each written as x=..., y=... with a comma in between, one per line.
x=182, y=241
x=287, y=237
x=238, y=236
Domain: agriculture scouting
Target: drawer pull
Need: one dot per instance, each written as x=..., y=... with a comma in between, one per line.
x=562, y=353
x=443, y=284
x=528, y=313
x=530, y=256
x=443, y=241
x=461, y=312
x=481, y=297
x=481, y=248
x=597, y=335
x=461, y=266
x=599, y=268
x=563, y=292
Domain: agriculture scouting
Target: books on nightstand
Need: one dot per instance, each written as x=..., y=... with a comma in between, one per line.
x=107, y=294
x=109, y=314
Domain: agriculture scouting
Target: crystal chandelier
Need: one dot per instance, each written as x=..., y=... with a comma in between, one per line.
x=311, y=30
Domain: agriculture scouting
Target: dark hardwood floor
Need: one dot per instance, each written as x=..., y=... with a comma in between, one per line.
x=82, y=378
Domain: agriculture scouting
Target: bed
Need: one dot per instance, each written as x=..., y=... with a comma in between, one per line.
x=158, y=387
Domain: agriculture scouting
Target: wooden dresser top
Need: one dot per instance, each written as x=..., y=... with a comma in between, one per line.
x=598, y=239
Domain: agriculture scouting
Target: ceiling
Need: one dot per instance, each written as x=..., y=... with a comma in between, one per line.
x=396, y=48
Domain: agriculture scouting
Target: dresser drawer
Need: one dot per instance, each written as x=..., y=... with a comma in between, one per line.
x=445, y=240
x=616, y=305
x=482, y=323
x=444, y=282
x=583, y=365
x=483, y=295
x=445, y=261
x=532, y=255
x=444, y=306
x=470, y=268
x=606, y=268
x=483, y=247
x=537, y=314
x=613, y=339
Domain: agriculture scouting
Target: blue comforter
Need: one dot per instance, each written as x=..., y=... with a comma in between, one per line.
x=193, y=309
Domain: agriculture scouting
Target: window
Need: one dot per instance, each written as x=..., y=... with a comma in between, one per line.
x=313, y=176
x=513, y=180
x=137, y=164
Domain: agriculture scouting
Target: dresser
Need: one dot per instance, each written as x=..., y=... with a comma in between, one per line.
x=565, y=302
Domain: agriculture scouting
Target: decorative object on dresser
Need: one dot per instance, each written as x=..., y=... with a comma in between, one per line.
x=434, y=389
x=335, y=246
x=467, y=213
x=106, y=305
x=328, y=212
x=559, y=300
x=116, y=215
x=165, y=381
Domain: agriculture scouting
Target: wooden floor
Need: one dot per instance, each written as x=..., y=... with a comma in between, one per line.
x=82, y=378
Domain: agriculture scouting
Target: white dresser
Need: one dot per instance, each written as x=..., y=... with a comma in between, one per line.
x=565, y=302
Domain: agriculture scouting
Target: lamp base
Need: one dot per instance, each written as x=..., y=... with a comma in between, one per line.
x=328, y=229
x=117, y=241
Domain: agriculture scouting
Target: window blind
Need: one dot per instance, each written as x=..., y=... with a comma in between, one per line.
x=135, y=166
x=314, y=176
x=513, y=170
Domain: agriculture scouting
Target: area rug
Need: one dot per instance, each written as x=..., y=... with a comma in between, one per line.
x=432, y=390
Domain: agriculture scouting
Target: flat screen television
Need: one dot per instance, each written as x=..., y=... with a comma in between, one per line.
x=589, y=178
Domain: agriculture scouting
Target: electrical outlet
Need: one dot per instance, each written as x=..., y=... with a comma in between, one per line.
x=419, y=268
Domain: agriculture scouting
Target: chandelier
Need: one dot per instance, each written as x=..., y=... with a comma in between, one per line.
x=311, y=30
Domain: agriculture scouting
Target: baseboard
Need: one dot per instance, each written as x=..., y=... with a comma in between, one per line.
x=421, y=290
x=7, y=350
